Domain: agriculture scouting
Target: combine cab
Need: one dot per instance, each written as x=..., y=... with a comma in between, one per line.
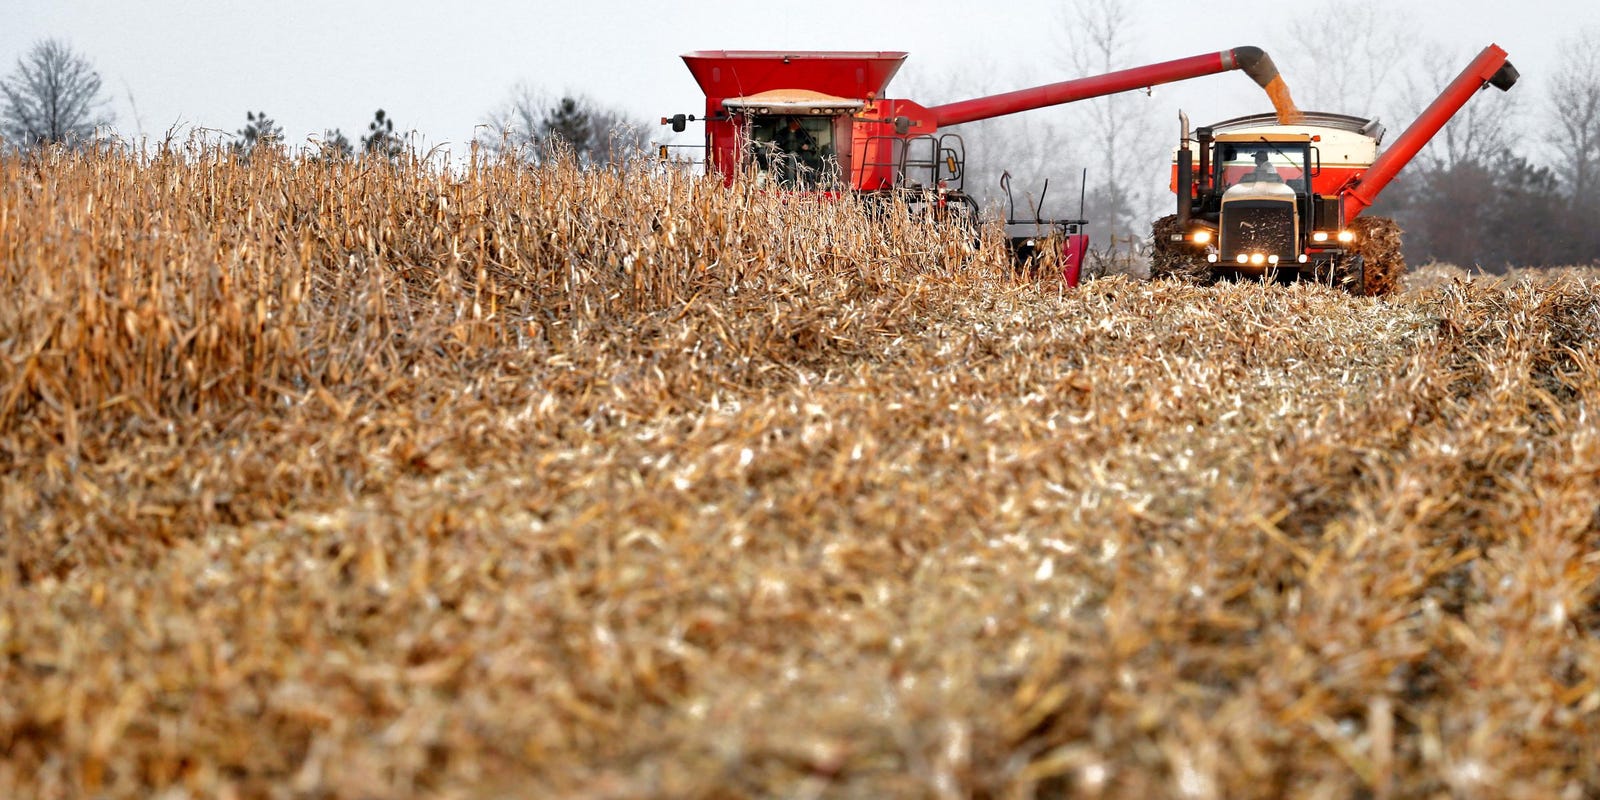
x=807, y=120
x=1285, y=200
x=818, y=122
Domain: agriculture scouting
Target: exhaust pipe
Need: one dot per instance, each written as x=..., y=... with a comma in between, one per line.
x=1185, y=173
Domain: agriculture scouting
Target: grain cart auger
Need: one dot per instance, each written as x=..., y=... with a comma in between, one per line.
x=818, y=122
x=1269, y=199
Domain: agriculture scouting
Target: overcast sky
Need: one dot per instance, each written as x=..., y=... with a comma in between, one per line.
x=437, y=68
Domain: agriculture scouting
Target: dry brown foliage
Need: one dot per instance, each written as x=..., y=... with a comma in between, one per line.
x=356, y=480
x=1380, y=250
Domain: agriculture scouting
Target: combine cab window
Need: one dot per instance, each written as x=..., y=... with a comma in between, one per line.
x=796, y=150
x=1237, y=161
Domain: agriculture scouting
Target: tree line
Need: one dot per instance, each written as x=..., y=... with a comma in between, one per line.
x=54, y=96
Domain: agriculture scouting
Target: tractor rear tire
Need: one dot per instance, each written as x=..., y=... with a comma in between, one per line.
x=1378, y=252
x=1175, y=259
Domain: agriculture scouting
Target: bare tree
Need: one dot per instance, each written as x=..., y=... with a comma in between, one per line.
x=1100, y=38
x=531, y=122
x=53, y=96
x=1479, y=133
x=1350, y=67
x=1575, y=107
x=1029, y=146
x=515, y=124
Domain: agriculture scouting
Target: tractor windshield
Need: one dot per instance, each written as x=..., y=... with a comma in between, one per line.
x=1238, y=161
x=796, y=150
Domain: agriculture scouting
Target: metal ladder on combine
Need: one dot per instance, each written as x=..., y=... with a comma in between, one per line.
x=920, y=163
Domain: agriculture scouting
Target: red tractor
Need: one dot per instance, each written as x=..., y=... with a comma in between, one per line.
x=818, y=121
x=1269, y=199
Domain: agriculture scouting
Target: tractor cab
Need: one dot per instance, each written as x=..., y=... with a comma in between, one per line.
x=1261, y=198
x=1262, y=161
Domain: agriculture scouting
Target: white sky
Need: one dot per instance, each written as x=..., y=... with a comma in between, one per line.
x=437, y=68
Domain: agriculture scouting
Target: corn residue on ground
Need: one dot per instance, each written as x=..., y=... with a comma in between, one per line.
x=355, y=480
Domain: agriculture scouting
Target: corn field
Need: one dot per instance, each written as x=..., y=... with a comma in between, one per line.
x=351, y=479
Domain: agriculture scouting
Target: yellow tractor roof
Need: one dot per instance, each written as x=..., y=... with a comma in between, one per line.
x=1269, y=137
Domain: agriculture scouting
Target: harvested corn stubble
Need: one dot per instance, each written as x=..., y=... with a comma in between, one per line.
x=347, y=479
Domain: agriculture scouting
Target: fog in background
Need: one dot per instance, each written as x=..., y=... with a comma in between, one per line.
x=437, y=67
x=439, y=70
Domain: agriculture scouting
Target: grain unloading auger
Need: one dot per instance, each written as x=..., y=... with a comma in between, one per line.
x=1269, y=199
x=818, y=121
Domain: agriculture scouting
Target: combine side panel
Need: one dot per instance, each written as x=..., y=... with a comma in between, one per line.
x=1073, y=251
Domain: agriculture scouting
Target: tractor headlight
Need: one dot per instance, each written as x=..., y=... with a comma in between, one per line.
x=1347, y=236
x=1202, y=237
x=1258, y=259
x=1273, y=260
x=1319, y=236
x=1244, y=259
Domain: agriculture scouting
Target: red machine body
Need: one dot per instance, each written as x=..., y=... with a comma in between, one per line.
x=842, y=88
x=871, y=143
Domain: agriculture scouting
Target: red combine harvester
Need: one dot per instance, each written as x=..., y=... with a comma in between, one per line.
x=818, y=121
x=1269, y=199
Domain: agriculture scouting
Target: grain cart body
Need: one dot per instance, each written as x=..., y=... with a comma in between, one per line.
x=819, y=121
